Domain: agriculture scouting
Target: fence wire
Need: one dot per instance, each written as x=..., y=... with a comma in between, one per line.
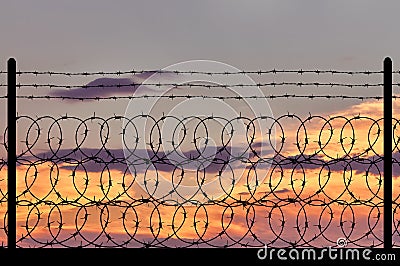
x=306, y=199
x=319, y=180
x=248, y=72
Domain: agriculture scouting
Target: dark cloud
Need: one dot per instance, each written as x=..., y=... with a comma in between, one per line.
x=95, y=160
x=98, y=160
x=106, y=87
x=371, y=165
x=284, y=190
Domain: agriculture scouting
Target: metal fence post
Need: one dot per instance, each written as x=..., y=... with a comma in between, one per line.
x=387, y=153
x=12, y=152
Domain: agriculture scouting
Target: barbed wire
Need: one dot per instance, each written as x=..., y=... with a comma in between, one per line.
x=245, y=72
x=285, y=197
x=172, y=97
x=197, y=85
x=280, y=203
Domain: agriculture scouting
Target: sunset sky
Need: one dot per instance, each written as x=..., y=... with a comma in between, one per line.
x=151, y=35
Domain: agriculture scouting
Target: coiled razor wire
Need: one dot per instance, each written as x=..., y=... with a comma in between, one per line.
x=309, y=199
x=280, y=211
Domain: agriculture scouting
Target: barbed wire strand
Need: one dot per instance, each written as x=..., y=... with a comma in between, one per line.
x=207, y=86
x=172, y=97
x=245, y=72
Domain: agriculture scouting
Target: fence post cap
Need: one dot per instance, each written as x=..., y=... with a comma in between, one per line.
x=388, y=60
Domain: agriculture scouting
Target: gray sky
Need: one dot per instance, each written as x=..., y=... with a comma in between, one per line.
x=110, y=35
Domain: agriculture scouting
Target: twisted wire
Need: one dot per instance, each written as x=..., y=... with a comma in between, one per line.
x=299, y=195
x=248, y=72
x=172, y=97
x=207, y=86
x=272, y=213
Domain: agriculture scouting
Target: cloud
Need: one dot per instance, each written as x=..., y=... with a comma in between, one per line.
x=99, y=160
x=284, y=190
x=372, y=165
x=107, y=87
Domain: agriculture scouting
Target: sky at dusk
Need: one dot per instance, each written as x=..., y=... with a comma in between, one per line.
x=95, y=35
x=99, y=35
x=150, y=35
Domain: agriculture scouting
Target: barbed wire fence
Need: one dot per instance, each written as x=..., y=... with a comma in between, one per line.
x=326, y=185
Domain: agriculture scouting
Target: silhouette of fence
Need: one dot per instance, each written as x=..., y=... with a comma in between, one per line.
x=85, y=196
